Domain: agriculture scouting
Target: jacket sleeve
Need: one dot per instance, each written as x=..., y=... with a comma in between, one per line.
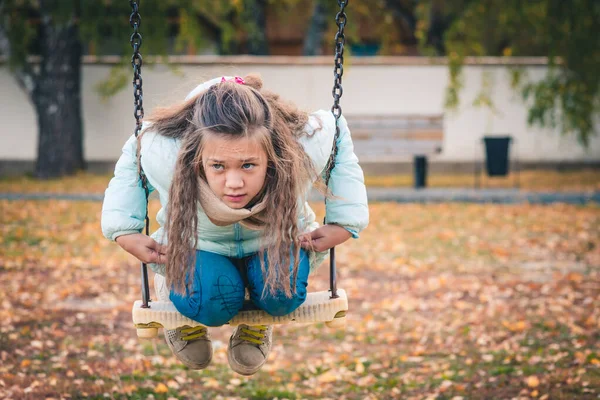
x=124, y=206
x=349, y=208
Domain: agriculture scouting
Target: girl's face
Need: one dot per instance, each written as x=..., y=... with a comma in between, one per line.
x=235, y=169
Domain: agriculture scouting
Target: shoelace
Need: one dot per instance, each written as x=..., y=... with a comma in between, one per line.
x=256, y=334
x=193, y=333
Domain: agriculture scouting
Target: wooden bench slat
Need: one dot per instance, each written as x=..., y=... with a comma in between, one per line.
x=394, y=137
x=375, y=149
x=412, y=135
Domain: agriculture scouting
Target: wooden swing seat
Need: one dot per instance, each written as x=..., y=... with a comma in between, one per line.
x=318, y=307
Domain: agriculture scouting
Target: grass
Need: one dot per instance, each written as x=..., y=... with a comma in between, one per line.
x=535, y=180
x=442, y=305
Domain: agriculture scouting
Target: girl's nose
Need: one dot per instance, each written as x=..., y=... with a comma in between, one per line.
x=234, y=181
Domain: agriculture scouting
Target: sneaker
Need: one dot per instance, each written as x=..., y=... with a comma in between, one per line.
x=249, y=347
x=191, y=346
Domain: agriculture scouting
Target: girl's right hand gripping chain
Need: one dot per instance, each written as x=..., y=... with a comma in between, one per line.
x=143, y=247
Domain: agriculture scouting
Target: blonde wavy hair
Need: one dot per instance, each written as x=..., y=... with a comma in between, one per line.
x=234, y=110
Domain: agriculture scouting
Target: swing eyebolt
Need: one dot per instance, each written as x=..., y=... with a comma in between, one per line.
x=148, y=331
x=339, y=321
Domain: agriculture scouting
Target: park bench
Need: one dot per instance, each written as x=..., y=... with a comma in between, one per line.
x=397, y=138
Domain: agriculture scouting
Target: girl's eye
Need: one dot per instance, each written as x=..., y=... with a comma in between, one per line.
x=247, y=166
x=217, y=167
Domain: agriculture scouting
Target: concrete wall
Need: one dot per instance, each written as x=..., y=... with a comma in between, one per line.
x=371, y=86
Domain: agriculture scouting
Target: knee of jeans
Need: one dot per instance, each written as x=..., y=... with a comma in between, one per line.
x=281, y=305
x=213, y=317
x=189, y=306
x=208, y=311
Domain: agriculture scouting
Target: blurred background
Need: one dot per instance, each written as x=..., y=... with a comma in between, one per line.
x=475, y=121
x=426, y=82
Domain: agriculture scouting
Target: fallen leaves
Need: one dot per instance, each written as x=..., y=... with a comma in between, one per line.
x=533, y=381
x=161, y=388
x=518, y=326
x=446, y=301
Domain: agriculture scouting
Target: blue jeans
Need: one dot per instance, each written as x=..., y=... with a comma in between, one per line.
x=218, y=289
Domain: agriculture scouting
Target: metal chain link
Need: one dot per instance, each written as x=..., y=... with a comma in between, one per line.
x=138, y=108
x=338, y=71
x=135, y=21
x=136, y=62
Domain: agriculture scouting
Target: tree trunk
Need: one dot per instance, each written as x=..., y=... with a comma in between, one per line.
x=407, y=19
x=255, y=11
x=57, y=100
x=435, y=33
x=316, y=30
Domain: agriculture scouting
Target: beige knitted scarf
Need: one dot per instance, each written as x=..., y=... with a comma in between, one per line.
x=221, y=214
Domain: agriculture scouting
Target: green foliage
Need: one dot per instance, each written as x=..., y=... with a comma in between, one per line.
x=167, y=27
x=377, y=17
x=119, y=77
x=568, y=97
x=20, y=29
x=191, y=32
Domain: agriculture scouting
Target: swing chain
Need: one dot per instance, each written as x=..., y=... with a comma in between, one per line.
x=136, y=62
x=338, y=71
x=135, y=21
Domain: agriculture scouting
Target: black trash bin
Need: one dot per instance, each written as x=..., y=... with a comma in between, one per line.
x=420, y=169
x=496, y=155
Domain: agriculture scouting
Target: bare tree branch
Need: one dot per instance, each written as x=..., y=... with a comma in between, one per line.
x=25, y=75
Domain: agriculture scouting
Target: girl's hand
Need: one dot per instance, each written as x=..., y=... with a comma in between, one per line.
x=324, y=238
x=143, y=247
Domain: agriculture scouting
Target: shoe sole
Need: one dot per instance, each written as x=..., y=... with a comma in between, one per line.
x=240, y=369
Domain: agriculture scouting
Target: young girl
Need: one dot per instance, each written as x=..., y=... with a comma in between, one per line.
x=232, y=166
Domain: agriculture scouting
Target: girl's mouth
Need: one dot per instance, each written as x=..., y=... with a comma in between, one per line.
x=236, y=198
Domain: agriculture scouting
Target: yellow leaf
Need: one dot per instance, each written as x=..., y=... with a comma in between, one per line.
x=25, y=363
x=519, y=326
x=533, y=381
x=590, y=321
x=327, y=377
x=211, y=383
x=360, y=367
x=580, y=357
x=161, y=388
x=130, y=389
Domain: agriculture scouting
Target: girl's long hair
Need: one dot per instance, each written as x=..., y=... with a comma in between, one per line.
x=234, y=110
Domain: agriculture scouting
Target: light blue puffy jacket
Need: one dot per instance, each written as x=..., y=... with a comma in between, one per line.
x=124, y=204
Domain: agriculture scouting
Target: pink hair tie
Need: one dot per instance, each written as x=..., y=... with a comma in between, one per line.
x=236, y=79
